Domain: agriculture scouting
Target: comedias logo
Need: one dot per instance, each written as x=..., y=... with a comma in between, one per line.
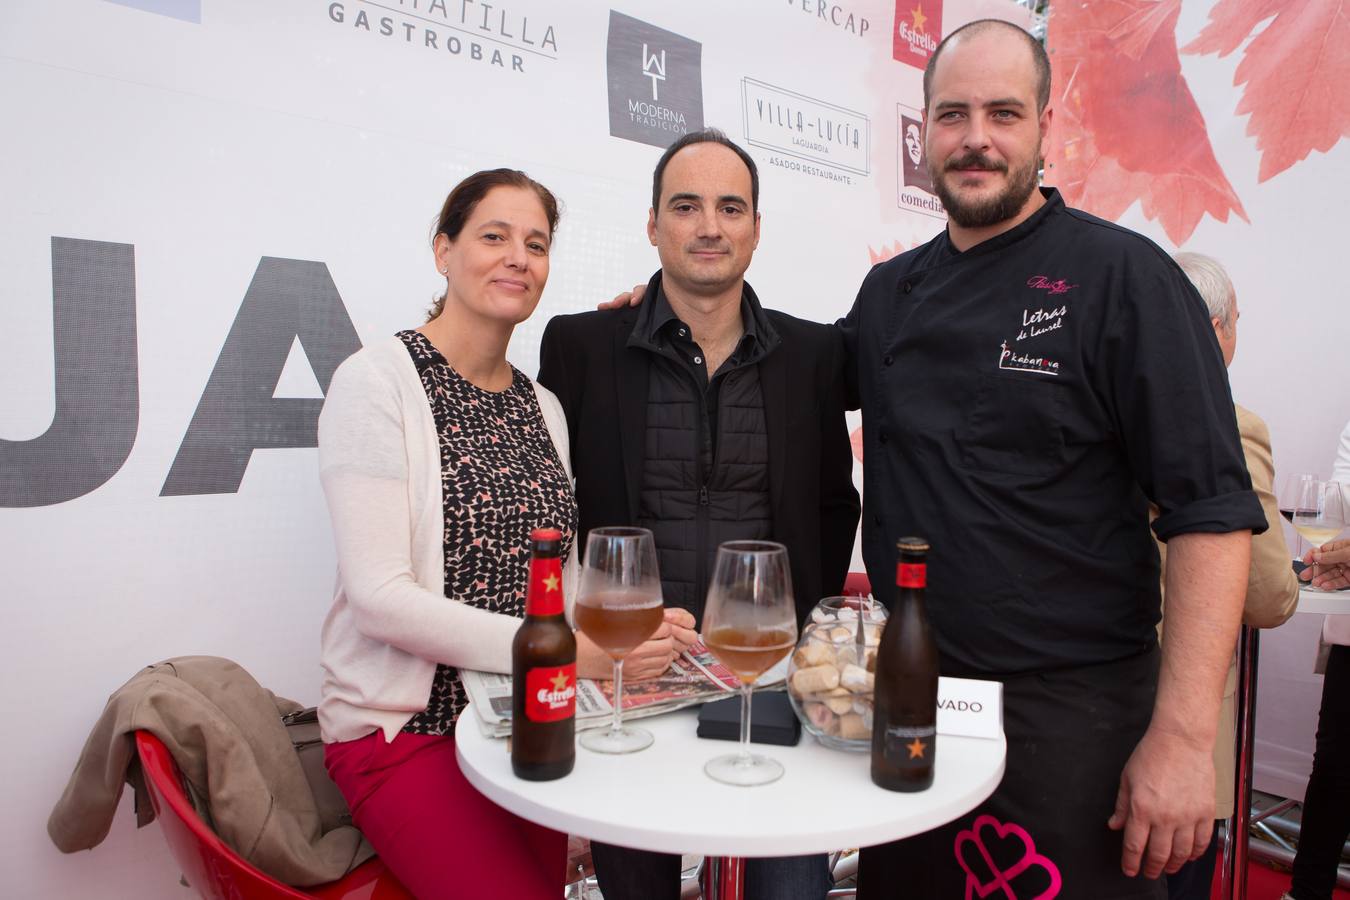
x=655, y=82
x=914, y=186
x=918, y=29
x=467, y=29
x=809, y=129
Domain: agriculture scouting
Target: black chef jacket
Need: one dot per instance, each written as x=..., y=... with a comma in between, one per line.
x=1022, y=402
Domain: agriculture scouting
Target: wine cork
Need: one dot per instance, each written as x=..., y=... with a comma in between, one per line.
x=852, y=727
x=815, y=678
x=856, y=679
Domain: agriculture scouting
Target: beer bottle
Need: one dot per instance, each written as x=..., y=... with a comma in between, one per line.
x=904, y=718
x=544, y=670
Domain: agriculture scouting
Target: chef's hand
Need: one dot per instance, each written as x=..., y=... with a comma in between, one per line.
x=1165, y=804
x=627, y=298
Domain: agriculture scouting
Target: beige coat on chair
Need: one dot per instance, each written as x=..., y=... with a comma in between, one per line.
x=226, y=735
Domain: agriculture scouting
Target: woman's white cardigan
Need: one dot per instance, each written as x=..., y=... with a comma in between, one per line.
x=391, y=623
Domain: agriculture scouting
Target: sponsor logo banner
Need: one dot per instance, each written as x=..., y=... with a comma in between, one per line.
x=834, y=14
x=655, y=82
x=914, y=186
x=187, y=10
x=918, y=31
x=797, y=125
x=481, y=33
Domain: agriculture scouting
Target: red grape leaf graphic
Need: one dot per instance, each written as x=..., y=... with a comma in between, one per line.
x=1126, y=125
x=1296, y=72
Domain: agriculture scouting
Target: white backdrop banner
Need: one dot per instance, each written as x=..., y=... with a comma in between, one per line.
x=208, y=204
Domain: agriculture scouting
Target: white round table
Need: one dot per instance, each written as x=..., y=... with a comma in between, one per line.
x=1329, y=603
x=660, y=799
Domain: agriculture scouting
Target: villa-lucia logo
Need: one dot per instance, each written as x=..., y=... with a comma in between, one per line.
x=655, y=82
x=806, y=134
x=918, y=31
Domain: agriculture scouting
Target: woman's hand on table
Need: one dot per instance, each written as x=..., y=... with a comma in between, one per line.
x=1328, y=566
x=647, y=660
x=681, y=622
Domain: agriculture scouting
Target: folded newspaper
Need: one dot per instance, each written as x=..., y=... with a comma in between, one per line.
x=694, y=677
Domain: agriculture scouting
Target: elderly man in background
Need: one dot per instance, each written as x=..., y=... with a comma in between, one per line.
x=1272, y=589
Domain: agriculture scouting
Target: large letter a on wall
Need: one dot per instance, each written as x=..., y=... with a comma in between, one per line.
x=288, y=298
x=94, y=348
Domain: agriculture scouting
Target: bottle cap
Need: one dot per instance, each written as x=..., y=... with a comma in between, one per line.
x=912, y=545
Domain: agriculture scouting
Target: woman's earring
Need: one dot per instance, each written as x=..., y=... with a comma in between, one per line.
x=445, y=271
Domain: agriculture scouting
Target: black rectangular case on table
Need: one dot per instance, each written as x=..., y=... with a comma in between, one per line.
x=771, y=719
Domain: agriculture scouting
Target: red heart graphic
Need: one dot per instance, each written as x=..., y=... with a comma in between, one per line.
x=987, y=832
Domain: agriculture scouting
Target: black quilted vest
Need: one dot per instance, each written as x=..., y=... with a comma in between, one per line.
x=695, y=496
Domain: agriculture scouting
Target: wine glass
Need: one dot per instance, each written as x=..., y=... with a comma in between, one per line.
x=1320, y=514
x=750, y=623
x=1291, y=496
x=618, y=607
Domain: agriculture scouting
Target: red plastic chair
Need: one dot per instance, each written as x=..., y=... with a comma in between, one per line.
x=857, y=585
x=217, y=872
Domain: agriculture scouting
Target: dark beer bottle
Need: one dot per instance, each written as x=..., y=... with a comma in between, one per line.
x=544, y=670
x=904, y=717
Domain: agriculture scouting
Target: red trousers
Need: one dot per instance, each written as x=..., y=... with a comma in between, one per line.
x=434, y=830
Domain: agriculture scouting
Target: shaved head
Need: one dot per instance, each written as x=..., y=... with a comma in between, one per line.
x=1039, y=60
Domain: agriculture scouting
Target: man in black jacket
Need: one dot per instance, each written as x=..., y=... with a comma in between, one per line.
x=706, y=418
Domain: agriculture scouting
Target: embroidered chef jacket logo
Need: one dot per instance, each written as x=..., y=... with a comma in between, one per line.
x=1056, y=286
x=1011, y=360
x=1042, y=321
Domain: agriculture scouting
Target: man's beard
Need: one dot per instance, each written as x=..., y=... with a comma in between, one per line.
x=990, y=211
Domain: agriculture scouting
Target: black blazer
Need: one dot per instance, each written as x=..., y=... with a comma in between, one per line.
x=602, y=385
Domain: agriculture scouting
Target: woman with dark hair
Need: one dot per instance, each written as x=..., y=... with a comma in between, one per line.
x=437, y=458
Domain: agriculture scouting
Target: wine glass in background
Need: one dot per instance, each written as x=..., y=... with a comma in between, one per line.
x=618, y=607
x=1320, y=513
x=750, y=623
x=1295, y=486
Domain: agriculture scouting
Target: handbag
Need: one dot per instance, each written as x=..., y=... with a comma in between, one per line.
x=302, y=726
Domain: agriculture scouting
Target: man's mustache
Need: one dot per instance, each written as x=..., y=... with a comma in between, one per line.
x=975, y=161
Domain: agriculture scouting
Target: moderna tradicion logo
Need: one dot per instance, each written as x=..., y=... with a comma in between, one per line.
x=918, y=31
x=655, y=82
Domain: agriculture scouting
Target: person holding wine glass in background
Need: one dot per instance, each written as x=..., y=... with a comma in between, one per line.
x=705, y=418
x=1325, y=824
x=438, y=458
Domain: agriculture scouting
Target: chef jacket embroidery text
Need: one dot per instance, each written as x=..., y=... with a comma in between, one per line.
x=1042, y=321
x=1020, y=362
